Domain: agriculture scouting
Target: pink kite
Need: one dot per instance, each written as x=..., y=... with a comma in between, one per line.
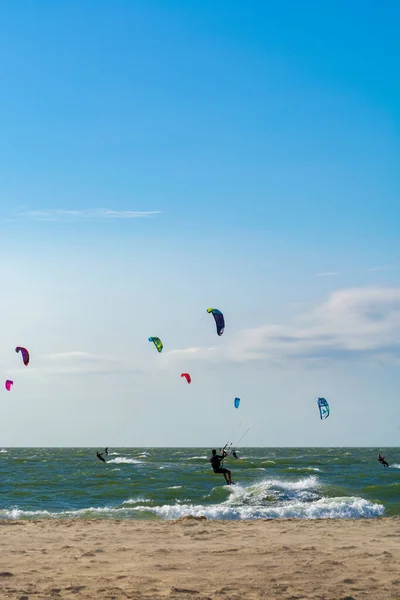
x=9, y=383
x=187, y=377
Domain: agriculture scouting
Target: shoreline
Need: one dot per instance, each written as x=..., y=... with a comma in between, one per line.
x=192, y=557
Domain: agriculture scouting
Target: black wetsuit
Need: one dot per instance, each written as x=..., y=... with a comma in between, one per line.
x=215, y=461
x=383, y=461
x=99, y=456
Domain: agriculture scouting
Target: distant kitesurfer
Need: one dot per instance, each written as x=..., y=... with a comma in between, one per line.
x=106, y=451
x=234, y=454
x=382, y=460
x=100, y=456
x=215, y=461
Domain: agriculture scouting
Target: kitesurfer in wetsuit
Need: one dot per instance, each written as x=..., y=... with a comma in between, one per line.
x=234, y=454
x=215, y=461
x=100, y=456
x=382, y=460
x=106, y=451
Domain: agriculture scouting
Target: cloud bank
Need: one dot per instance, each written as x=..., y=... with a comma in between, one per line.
x=355, y=323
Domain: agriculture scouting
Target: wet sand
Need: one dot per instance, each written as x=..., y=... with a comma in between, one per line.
x=198, y=559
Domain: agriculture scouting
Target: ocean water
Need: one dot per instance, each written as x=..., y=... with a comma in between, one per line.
x=168, y=483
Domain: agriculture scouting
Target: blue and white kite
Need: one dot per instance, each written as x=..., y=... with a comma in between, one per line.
x=323, y=408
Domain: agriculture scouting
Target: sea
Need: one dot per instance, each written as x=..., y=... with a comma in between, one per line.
x=168, y=483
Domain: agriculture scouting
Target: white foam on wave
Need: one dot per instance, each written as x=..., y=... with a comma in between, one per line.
x=305, y=489
x=3, y=451
x=265, y=459
x=325, y=508
x=306, y=483
x=395, y=466
x=197, y=458
x=17, y=513
x=91, y=512
x=305, y=469
x=137, y=500
x=274, y=499
x=124, y=460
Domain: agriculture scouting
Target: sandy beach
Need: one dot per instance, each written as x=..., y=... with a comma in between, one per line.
x=196, y=558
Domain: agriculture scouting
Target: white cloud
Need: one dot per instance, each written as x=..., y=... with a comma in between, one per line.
x=352, y=323
x=384, y=268
x=88, y=214
x=62, y=356
x=74, y=363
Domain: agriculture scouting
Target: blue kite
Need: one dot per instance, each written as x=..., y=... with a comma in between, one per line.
x=219, y=319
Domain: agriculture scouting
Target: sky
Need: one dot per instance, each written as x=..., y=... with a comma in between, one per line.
x=158, y=158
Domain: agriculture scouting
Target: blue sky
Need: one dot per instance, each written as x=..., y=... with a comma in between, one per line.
x=158, y=158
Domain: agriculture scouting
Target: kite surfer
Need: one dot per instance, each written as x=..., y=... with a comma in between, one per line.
x=106, y=451
x=235, y=455
x=215, y=461
x=382, y=460
x=100, y=456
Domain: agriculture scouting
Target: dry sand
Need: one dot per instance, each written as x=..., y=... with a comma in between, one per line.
x=199, y=559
